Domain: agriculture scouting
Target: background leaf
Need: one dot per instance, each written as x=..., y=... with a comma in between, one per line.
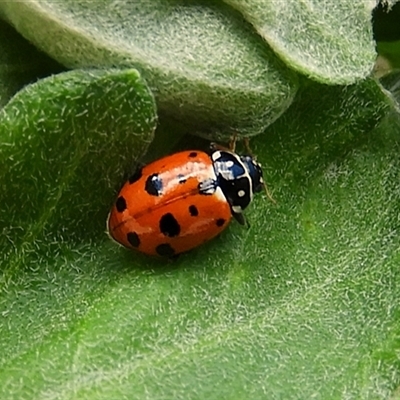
x=391, y=51
x=204, y=63
x=387, y=32
x=328, y=41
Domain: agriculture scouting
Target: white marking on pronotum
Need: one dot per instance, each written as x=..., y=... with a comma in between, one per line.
x=216, y=155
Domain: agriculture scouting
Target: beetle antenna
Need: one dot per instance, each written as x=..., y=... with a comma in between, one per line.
x=268, y=193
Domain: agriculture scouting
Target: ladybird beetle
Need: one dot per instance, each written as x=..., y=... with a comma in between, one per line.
x=183, y=200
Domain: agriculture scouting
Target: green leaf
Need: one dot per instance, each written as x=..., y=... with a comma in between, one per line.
x=20, y=63
x=206, y=65
x=65, y=143
x=391, y=82
x=385, y=21
x=391, y=51
x=303, y=304
x=329, y=41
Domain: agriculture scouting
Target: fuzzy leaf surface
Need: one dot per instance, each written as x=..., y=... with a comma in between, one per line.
x=329, y=41
x=307, y=295
x=60, y=140
x=204, y=62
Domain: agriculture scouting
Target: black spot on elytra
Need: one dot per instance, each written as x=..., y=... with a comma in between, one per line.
x=120, y=204
x=153, y=185
x=165, y=249
x=193, y=154
x=169, y=226
x=194, y=212
x=220, y=222
x=133, y=239
x=136, y=176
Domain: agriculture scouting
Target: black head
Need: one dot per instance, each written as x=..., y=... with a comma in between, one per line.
x=239, y=177
x=255, y=172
